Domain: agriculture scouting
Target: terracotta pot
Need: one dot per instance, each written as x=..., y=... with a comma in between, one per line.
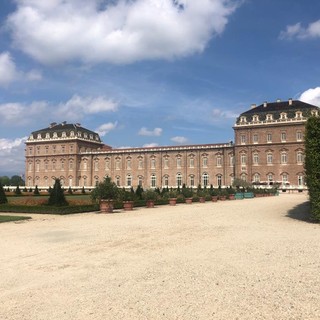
x=172, y=201
x=106, y=206
x=189, y=200
x=214, y=198
x=150, y=203
x=202, y=199
x=232, y=197
x=222, y=198
x=128, y=205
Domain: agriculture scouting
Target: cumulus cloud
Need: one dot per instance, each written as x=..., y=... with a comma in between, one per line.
x=17, y=114
x=218, y=114
x=78, y=106
x=106, y=128
x=12, y=155
x=116, y=31
x=156, y=132
x=150, y=145
x=311, y=96
x=8, y=71
x=179, y=139
x=300, y=32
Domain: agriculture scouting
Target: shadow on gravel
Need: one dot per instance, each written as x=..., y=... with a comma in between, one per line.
x=300, y=212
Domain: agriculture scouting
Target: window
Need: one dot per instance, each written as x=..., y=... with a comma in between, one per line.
x=153, y=163
x=191, y=180
x=269, y=117
x=269, y=137
x=140, y=164
x=219, y=180
x=118, y=181
x=255, y=158
x=128, y=164
x=62, y=165
x=243, y=139
x=46, y=166
x=205, y=179
x=166, y=181
x=256, y=177
x=53, y=149
x=70, y=181
x=191, y=163
x=47, y=135
x=204, y=162
x=284, y=158
x=72, y=134
x=64, y=134
x=243, y=159
x=63, y=148
x=219, y=161
x=255, y=138
x=269, y=158
x=283, y=136
x=300, y=180
x=153, y=180
x=166, y=163
x=39, y=136
x=37, y=167
x=71, y=148
x=55, y=135
x=255, y=118
x=179, y=180
x=70, y=165
x=84, y=181
x=179, y=163
x=243, y=119
x=140, y=180
x=117, y=164
x=283, y=116
x=231, y=160
x=298, y=114
x=38, y=150
x=85, y=165
x=129, y=180
x=284, y=178
x=53, y=165
x=47, y=149
x=96, y=165
x=299, y=136
x=270, y=178
x=300, y=157
x=107, y=165
x=30, y=151
x=243, y=177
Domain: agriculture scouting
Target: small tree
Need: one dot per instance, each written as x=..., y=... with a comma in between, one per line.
x=70, y=190
x=3, y=197
x=36, y=191
x=312, y=165
x=83, y=191
x=107, y=190
x=18, y=191
x=57, y=197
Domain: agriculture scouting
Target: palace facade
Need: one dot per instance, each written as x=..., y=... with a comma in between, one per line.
x=268, y=148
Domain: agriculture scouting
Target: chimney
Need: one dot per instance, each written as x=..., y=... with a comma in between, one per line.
x=290, y=102
x=53, y=124
x=278, y=100
x=253, y=106
x=265, y=104
x=64, y=123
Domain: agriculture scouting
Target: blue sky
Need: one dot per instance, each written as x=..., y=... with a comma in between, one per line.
x=150, y=72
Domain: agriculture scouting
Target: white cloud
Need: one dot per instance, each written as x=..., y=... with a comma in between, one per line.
x=12, y=155
x=78, y=106
x=17, y=114
x=34, y=75
x=156, y=132
x=8, y=71
x=218, y=114
x=120, y=31
x=298, y=31
x=106, y=128
x=311, y=96
x=179, y=139
x=150, y=145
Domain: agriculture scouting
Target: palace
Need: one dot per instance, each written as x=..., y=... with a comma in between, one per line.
x=268, y=148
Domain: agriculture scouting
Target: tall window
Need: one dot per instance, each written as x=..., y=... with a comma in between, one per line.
x=284, y=158
x=299, y=136
x=300, y=157
x=255, y=138
x=128, y=164
x=256, y=177
x=191, y=163
x=243, y=139
x=166, y=163
x=300, y=180
x=204, y=162
x=62, y=164
x=283, y=136
x=284, y=178
x=153, y=163
x=118, y=181
x=117, y=164
x=191, y=180
x=107, y=165
x=153, y=180
x=255, y=158
x=205, y=179
x=231, y=160
x=179, y=180
x=70, y=165
x=243, y=159
x=269, y=158
x=219, y=180
x=219, y=161
x=129, y=180
x=140, y=181
x=140, y=163
x=37, y=166
x=270, y=177
x=269, y=137
x=96, y=165
x=166, y=180
x=178, y=162
x=85, y=165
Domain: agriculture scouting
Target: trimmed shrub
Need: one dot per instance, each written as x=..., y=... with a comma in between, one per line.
x=18, y=191
x=57, y=197
x=312, y=165
x=3, y=198
x=36, y=191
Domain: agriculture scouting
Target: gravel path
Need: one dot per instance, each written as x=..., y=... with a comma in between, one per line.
x=242, y=259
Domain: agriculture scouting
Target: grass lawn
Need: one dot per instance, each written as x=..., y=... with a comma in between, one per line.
x=12, y=218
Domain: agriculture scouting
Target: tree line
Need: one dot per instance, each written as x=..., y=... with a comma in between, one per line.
x=15, y=180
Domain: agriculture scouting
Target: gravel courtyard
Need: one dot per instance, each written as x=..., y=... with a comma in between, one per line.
x=242, y=259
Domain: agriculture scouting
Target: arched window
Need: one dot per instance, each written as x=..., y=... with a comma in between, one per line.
x=153, y=181
x=219, y=180
x=205, y=179
x=129, y=180
x=284, y=157
x=178, y=162
x=191, y=180
x=153, y=163
x=118, y=181
x=166, y=180
x=300, y=179
x=179, y=179
x=300, y=157
x=256, y=178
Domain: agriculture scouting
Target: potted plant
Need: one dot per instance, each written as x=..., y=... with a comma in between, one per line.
x=223, y=194
x=150, y=196
x=172, y=197
x=187, y=193
x=231, y=193
x=128, y=198
x=214, y=194
x=105, y=192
